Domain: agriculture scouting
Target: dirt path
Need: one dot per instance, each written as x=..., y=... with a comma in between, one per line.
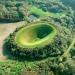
x=5, y=30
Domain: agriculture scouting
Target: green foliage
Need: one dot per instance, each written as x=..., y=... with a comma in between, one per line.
x=72, y=52
x=67, y=67
x=17, y=10
x=40, y=13
x=12, y=11
x=61, y=42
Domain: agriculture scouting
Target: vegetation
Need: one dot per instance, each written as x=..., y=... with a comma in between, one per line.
x=38, y=48
x=45, y=45
x=40, y=13
x=13, y=11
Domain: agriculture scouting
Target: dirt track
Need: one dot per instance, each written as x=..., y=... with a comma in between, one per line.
x=5, y=30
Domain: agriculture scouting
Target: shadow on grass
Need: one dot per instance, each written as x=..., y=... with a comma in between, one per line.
x=7, y=52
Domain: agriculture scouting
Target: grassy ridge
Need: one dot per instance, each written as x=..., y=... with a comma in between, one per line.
x=30, y=39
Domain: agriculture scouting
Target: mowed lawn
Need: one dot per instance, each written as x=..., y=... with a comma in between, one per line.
x=5, y=30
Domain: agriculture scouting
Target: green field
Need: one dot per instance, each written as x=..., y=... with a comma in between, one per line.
x=40, y=13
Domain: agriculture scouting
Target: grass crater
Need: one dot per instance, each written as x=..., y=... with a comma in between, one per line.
x=35, y=35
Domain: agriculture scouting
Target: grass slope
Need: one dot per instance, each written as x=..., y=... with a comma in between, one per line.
x=33, y=36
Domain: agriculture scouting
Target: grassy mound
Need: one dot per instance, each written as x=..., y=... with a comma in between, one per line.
x=36, y=35
x=39, y=40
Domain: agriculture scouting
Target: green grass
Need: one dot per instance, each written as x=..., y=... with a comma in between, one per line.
x=37, y=11
x=35, y=35
x=40, y=13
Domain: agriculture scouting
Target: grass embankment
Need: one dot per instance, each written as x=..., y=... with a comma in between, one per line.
x=40, y=13
x=35, y=35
